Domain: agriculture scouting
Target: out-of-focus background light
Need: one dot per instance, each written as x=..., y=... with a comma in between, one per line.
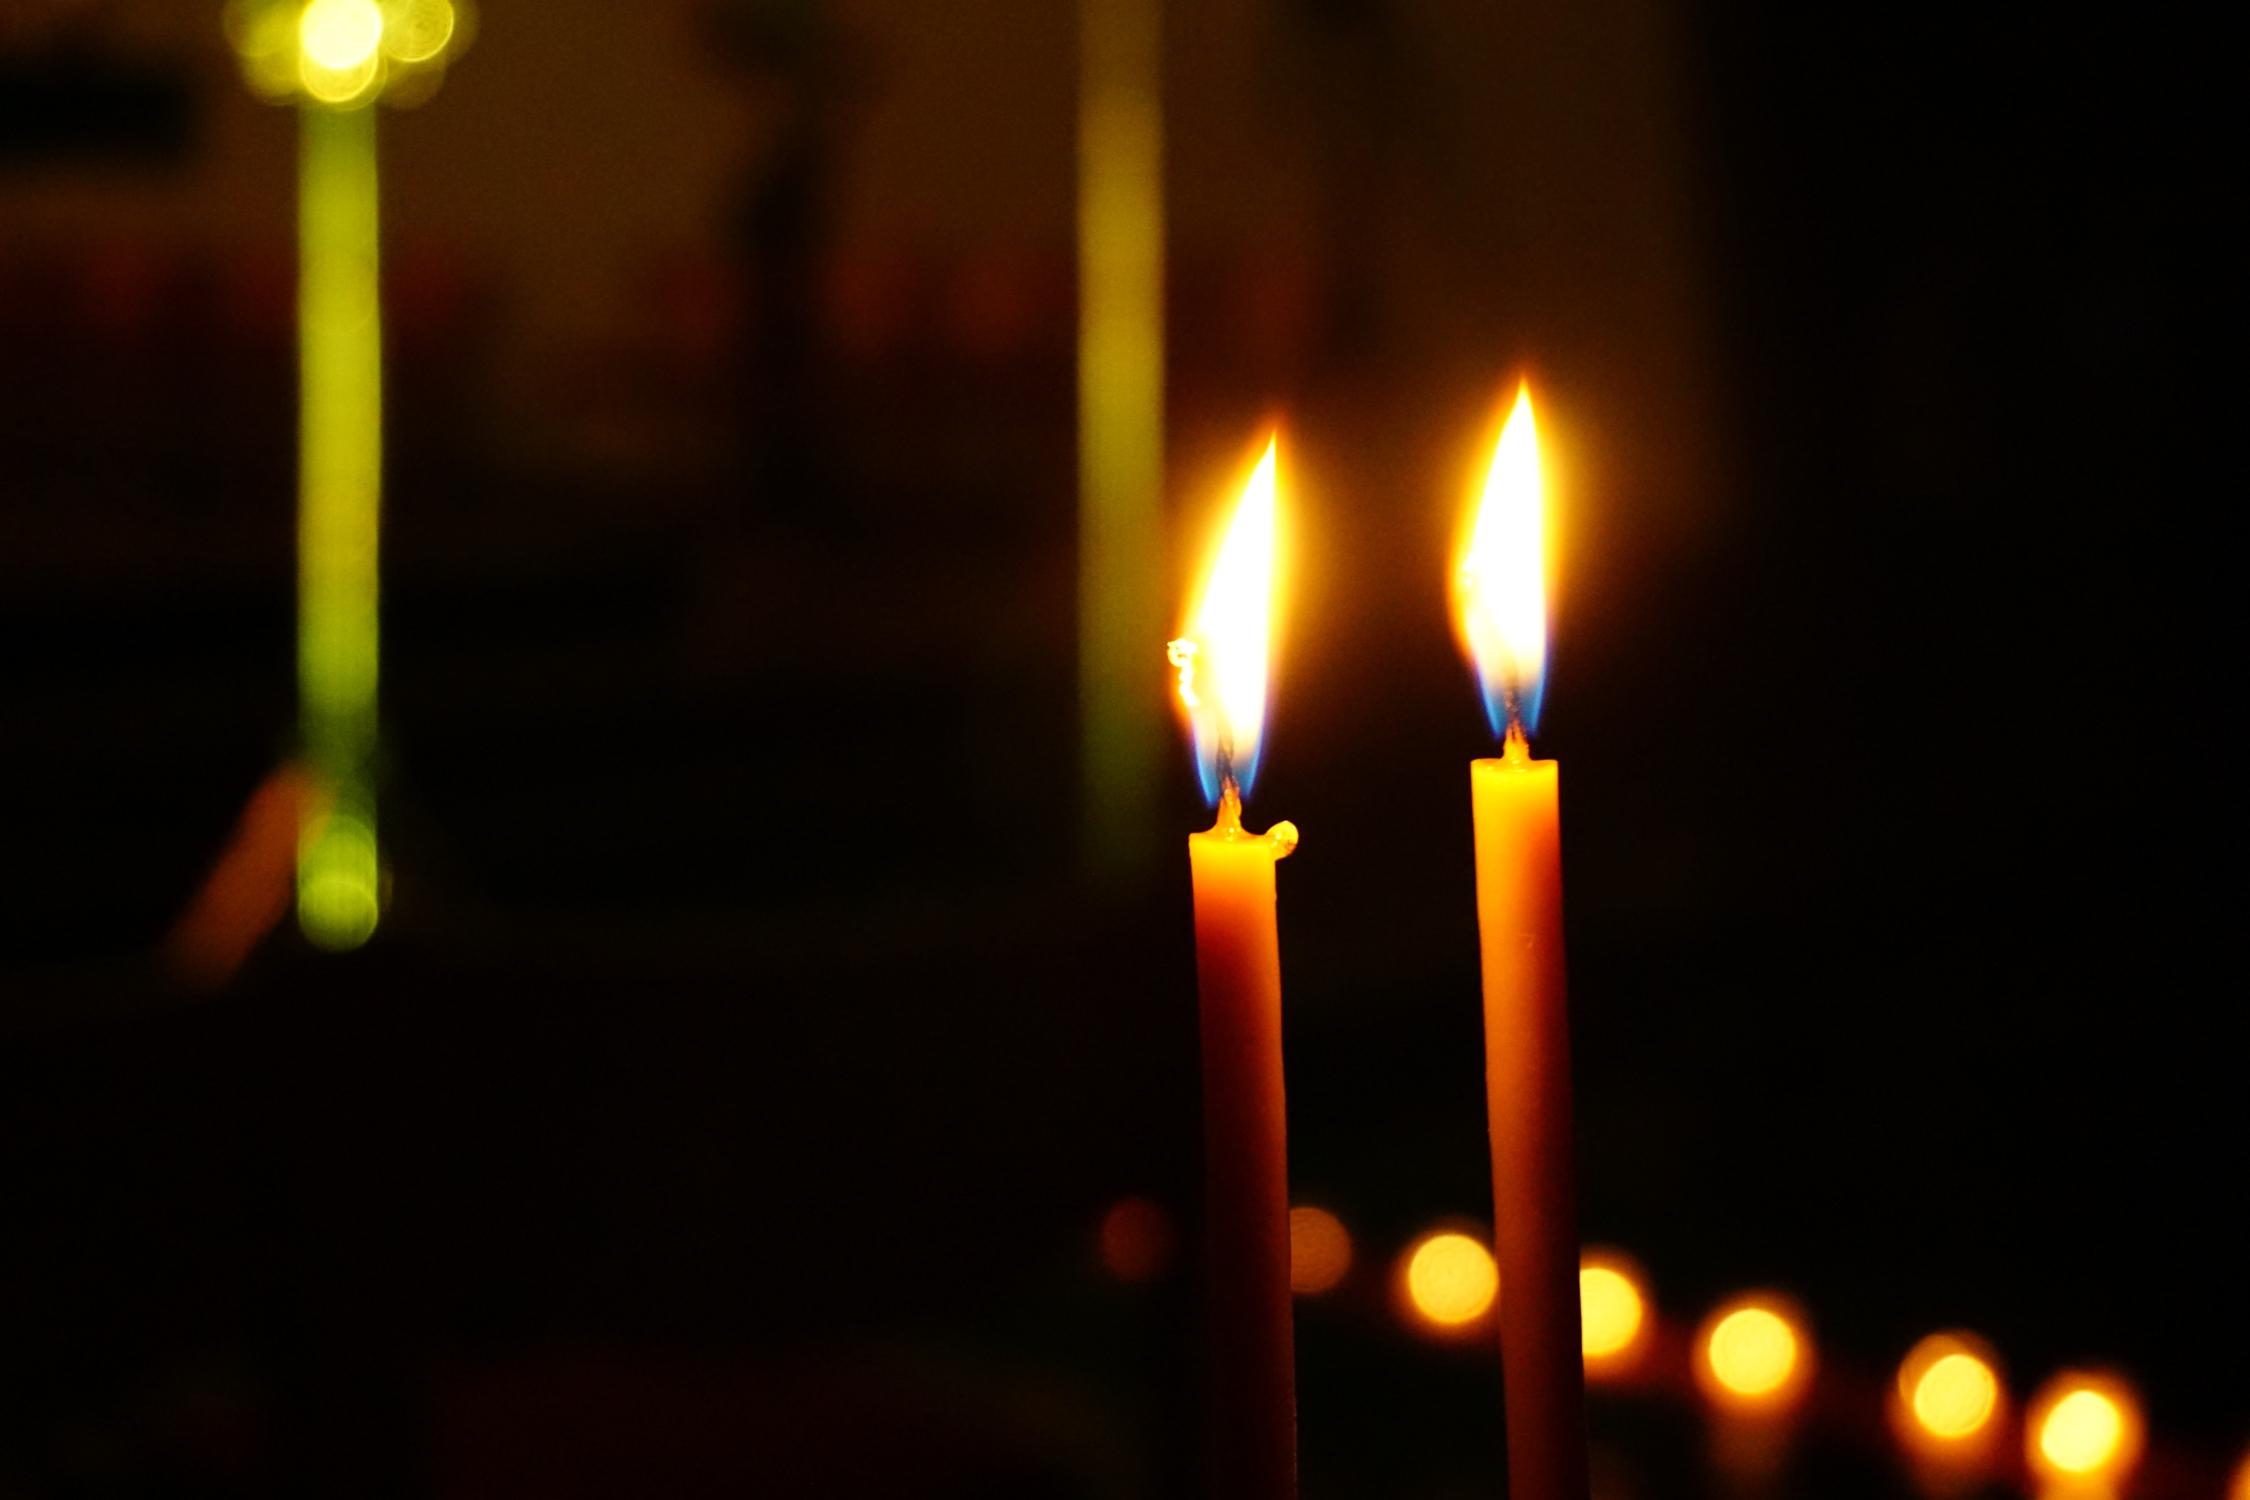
x=1136, y=1239
x=1947, y=1399
x=339, y=517
x=1753, y=1354
x=1320, y=1250
x=1954, y=1397
x=340, y=35
x=1120, y=418
x=2240, y=1489
x=2083, y=1426
x=1613, y=1312
x=416, y=31
x=1450, y=1280
x=347, y=53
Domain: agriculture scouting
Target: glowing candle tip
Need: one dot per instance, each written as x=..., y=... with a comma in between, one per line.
x=1229, y=820
x=1281, y=838
x=1499, y=578
x=1221, y=656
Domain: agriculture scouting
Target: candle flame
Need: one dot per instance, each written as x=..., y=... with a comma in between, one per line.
x=1499, y=579
x=1222, y=653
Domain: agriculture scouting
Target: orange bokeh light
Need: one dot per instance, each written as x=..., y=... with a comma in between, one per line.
x=2083, y=1425
x=1320, y=1250
x=1753, y=1354
x=1612, y=1312
x=1450, y=1280
x=1948, y=1398
x=1135, y=1240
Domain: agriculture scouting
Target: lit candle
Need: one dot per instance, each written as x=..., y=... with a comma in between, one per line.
x=1221, y=659
x=1500, y=589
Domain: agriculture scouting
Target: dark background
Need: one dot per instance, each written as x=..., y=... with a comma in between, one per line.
x=728, y=1100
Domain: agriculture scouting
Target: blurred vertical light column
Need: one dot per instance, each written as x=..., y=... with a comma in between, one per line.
x=339, y=492
x=1120, y=422
x=333, y=59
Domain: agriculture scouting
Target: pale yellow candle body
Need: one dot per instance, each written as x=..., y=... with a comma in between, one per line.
x=1252, y=1384
x=1527, y=1089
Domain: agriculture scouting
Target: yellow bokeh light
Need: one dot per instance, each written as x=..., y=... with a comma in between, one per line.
x=1753, y=1353
x=1451, y=1279
x=1612, y=1312
x=2080, y=1435
x=339, y=880
x=347, y=53
x=330, y=86
x=340, y=36
x=1224, y=650
x=1949, y=1392
x=1320, y=1250
x=1954, y=1397
x=1948, y=1400
x=417, y=30
x=2083, y=1426
x=1500, y=575
x=2240, y=1489
x=1612, y=1309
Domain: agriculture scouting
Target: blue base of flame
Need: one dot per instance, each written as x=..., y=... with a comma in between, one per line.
x=1216, y=763
x=1508, y=703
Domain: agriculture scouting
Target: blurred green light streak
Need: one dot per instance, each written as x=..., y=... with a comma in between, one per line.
x=340, y=462
x=1121, y=631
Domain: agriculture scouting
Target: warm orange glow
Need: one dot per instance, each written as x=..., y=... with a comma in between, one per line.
x=1948, y=1392
x=1753, y=1354
x=1450, y=1279
x=1224, y=651
x=1320, y=1250
x=248, y=889
x=2083, y=1426
x=1612, y=1311
x=1954, y=1397
x=1500, y=576
x=1135, y=1239
x=2240, y=1489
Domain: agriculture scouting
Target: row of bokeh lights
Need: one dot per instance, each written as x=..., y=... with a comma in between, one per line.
x=347, y=53
x=1752, y=1357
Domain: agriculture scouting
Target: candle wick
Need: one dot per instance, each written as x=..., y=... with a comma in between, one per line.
x=1281, y=838
x=1229, y=821
x=1517, y=749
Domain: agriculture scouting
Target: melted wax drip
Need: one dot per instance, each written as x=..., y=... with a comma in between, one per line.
x=1228, y=825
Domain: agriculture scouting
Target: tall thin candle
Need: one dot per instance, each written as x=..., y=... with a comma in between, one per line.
x=1500, y=587
x=1222, y=663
